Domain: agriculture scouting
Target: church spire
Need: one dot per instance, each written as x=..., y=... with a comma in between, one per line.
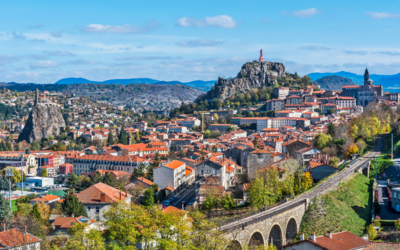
x=261, y=58
x=366, y=75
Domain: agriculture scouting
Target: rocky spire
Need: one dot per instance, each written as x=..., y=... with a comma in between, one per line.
x=261, y=58
x=36, y=96
x=366, y=75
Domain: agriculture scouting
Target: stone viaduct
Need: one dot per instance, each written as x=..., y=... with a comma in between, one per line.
x=280, y=224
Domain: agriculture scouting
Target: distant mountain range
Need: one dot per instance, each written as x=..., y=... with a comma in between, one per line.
x=200, y=85
x=333, y=82
x=388, y=82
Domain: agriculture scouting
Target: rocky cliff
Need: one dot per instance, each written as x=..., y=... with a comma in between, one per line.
x=45, y=119
x=252, y=75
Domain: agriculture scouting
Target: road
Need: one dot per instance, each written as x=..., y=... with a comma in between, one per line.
x=321, y=188
x=186, y=197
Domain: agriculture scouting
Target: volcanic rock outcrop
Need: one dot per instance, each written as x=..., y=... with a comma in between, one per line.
x=252, y=75
x=45, y=119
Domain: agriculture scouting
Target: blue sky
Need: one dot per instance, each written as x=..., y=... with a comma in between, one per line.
x=44, y=41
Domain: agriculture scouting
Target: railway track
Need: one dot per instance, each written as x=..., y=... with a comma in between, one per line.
x=320, y=189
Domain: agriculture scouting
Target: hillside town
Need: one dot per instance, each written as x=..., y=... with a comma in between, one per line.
x=89, y=159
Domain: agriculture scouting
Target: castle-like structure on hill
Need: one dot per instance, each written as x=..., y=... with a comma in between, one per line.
x=366, y=93
x=41, y=98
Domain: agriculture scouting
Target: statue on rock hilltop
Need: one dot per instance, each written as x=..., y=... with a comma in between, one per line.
x=261, y=58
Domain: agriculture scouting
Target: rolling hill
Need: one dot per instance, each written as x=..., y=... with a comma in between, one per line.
x=333, y=82
x=200, y=85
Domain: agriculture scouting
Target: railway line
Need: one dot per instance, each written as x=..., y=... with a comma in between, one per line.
x=302, y=199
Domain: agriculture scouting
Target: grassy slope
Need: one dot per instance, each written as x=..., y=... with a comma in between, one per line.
x=346, y=208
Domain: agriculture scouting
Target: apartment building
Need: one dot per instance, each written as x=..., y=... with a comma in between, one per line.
x=171, y=174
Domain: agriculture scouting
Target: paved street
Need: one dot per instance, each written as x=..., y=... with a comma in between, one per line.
x=186, y=197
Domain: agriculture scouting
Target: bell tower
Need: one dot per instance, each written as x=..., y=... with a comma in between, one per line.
x=36, y=96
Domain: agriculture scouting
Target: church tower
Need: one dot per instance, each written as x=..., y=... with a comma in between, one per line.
x=367, y=80
x=36, y=96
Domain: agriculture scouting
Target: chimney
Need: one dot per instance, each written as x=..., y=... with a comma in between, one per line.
x=301, y=236
x=126, y=193
x=102, y=197
x=313, y=238
x=67, y=193
x=120, y=195
x=73, y=191
x=329, y=234
x=72, y=216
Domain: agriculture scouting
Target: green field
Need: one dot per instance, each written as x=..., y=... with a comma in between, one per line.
x=14, y=205
x=346, y=208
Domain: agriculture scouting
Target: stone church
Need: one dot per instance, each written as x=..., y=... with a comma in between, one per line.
x=364, y=94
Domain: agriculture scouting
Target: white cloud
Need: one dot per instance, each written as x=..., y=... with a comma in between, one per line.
x=7, y=58
x=127, y=58
x=37, y=26
x=56, y=34
x=199, y=43
x=354, y=52
x=388, y=53
x=221, y=21
x=381, y=15
x=43, y=64
x=124, y=29
x=18, y=36
x=303, y=13
x=59, y=53
x=313, y=47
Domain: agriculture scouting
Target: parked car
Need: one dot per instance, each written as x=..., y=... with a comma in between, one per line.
x=166, y=203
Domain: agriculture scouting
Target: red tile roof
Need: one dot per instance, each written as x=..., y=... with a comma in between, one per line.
x=14, y=238
x=93, y=194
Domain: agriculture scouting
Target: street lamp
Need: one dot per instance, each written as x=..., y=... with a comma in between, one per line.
x=9, y=174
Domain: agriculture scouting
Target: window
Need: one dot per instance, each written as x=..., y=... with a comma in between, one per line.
x=97, y=210
x=394, y=194
x=202, y=172
x=88, y=209
x=215, y=172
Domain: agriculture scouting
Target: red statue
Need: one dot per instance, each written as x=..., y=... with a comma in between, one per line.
x=261, y=58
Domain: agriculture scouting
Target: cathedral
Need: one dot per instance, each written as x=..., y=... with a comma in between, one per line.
x=364, y=94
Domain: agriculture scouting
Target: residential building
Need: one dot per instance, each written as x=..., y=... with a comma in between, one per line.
x=280, y=92
x=66, y=168
x=17, y=240
x=331, y=241
x=320, y=170
x=221, y=127
x=90, y=163
x=47, y=199
x=171, y=174
x=97, y=199
x=275, y=104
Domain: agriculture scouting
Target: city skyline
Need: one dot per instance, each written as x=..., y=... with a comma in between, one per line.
x=191, y=41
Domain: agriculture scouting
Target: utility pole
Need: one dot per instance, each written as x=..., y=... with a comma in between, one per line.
x=22, y=175
x=9, y=174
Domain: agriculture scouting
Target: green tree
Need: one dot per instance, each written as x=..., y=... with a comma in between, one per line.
x=148, y=197
x=123, y=139
x=43, y=173
x=255, y=143
x=331, y=130
x=4, y=209
x=72, y=206
x=36, y=213
x=322, y=140
x=371, y=232
x=81, y=238
x=73, y=181
x=97, y=177
x=110, y=180
x=110, y=138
